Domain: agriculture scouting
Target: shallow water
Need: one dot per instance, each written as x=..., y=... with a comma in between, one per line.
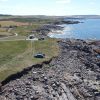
x=89, y=29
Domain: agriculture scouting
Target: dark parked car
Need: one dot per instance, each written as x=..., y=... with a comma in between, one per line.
x=39, y=55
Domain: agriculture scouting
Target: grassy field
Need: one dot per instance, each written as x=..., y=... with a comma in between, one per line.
x=16, y=55
x=25, y=30
x=24, y=24
x=5, y=31
x=49, y=47
x=13, y=23
x=4, y=34
x=15, y=52
x=13, y=38
x=8, y=50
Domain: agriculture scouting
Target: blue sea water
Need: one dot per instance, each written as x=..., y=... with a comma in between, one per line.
x=89, y=29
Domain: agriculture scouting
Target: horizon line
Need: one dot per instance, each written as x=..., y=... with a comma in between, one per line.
x=51, y=15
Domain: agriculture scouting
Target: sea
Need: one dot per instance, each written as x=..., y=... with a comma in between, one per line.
x=87, y=29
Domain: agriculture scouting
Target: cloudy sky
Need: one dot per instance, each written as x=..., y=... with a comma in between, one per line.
x=50, y=7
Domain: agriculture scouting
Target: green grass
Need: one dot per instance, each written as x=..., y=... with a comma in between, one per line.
x=8, y=50
x=16, y=55
x=4, y=34
x=49, y=47
x=13, y=38
x=25, y=30
x=24, y=25
x=22, y=29
x=36, y=19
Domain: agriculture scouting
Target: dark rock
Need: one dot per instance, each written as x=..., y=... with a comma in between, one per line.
x=54, y=85
x=98, y=78
x=45, y=79
x=46, y=87
x=57, y=84
x=98, y=64
x=34, y=97
x=97, y=93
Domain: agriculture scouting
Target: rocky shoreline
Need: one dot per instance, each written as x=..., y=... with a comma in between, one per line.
x=73, y=75
x=54, y=27
x=67, y=22
x=44, y=30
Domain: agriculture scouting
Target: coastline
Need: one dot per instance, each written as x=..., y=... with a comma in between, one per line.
x=55, y=32
x=73, y=74
x=75, y=68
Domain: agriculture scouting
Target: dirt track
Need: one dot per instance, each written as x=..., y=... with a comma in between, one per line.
x=73, y=75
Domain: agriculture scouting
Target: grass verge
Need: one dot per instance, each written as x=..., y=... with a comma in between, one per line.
x=17, y=55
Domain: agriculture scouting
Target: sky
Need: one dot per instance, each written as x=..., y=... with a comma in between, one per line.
x=50, y=7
